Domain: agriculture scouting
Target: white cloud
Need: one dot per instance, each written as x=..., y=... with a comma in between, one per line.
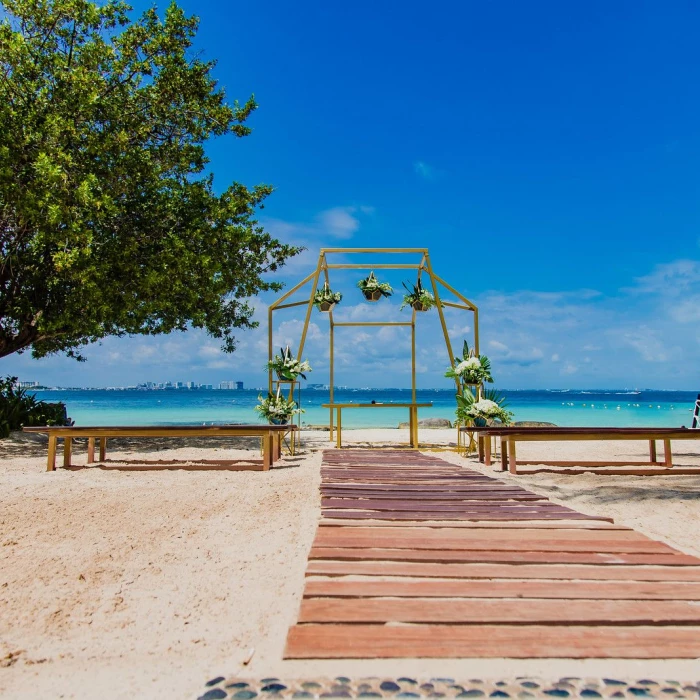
x=425, y=171
x=339, y=222
x=669, y=279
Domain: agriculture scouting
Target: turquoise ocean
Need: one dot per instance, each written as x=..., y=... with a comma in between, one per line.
x=620, y=408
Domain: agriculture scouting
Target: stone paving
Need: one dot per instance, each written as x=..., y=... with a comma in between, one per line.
x=341, y=687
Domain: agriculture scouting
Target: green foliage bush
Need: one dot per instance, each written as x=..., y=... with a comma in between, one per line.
x=19, y=408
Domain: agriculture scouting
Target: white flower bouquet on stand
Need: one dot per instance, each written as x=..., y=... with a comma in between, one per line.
x=276, y=409
x=471, y=368
x=478, y=411
x=288, y=368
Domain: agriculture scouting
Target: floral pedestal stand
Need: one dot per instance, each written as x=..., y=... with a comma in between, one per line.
x=290, y=439
x=466, y=441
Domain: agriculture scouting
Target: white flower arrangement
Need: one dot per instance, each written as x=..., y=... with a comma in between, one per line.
x=487, y=409
x=277, y=409
x=287, y=366
x=471, y=369
x=493, y=406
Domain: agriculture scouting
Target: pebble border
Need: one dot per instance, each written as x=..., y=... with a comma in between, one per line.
x=221, y=688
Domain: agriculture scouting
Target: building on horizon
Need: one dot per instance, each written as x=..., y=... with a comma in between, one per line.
x=26, y=385
x=231, y=386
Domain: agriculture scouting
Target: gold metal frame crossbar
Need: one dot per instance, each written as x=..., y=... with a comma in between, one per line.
x=323, y=267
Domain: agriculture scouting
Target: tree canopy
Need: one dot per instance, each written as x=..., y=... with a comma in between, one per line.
x=109, y=222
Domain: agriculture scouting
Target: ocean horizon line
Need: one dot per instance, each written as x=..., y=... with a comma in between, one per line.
x=595, y=390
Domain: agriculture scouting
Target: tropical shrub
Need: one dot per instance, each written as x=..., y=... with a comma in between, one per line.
x=19, y=408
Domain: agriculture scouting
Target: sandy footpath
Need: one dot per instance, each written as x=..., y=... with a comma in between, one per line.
x=124, y=584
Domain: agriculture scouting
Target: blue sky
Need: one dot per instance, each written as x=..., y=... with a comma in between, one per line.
x=545, y=152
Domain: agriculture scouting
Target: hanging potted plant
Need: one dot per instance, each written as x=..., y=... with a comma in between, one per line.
x=418, y=297
x=479, y=411
x=325, y=298
x=288, y=368
x=276, y=409
x=373, y=289
x=471, y=368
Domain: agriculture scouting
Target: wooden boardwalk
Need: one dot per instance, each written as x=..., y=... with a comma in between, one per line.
x=417, y=557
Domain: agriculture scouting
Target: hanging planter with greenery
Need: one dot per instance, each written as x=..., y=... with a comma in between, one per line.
x=325, y=298
x=418, y=297
x=373, y=289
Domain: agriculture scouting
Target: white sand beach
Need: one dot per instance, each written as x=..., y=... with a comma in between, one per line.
x=123, y=584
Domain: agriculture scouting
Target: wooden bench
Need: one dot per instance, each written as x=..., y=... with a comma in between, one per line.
x=270, y=435
x=509, y=436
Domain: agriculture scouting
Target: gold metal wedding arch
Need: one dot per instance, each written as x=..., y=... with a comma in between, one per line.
x=422, y=266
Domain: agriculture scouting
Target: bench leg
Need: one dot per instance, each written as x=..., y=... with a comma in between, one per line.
x=486, y=448
x=103, y=449
x=652, y=451
x=67, y=450
x=91, y=450
x=668, y=457
x=51, y=464
x=504, y=454
x=338, y=431
x=268, y=448
x=512, y=464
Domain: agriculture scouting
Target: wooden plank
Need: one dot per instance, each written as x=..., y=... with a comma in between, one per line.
x=491, y=641
x=518, y=571
x=419, y=506
x=426, y=541
x=419, y=490
x=479, y=524
x=540, y=515
x=502, y=557
x=438, y=588
x=519, y=612
x=400, y=480
x=522, y=534
x=395, y=495
x=160, y=430
x=407, y=470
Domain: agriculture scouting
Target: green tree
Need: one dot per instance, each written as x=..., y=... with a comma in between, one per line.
x=109, y=223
